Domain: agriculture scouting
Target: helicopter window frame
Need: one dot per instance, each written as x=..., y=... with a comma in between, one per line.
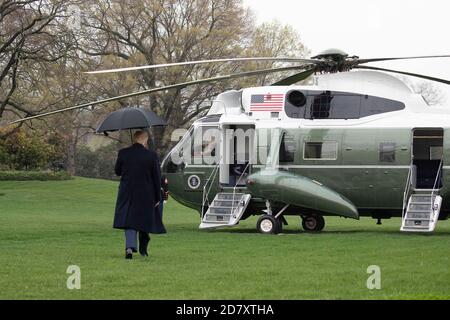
x=386, y=151
x=321, y=158
x=327, y=105
x=286, y=155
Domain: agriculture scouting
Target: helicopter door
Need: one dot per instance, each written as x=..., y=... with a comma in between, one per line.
x=237, y=153
x=426, y=158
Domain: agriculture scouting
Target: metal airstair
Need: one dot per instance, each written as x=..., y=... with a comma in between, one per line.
x=226, y=209
x=421, y=211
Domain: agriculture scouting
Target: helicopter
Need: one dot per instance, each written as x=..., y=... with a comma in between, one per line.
x=357, y=142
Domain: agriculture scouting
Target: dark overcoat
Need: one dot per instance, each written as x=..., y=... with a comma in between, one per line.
x=139, y=190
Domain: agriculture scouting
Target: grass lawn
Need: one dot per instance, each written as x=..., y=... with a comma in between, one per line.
x=47, y=226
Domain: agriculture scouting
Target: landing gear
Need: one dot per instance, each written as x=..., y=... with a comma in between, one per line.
x=268, y=224
x=313, y=223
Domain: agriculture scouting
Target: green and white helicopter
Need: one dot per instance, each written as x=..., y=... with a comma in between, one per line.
x=357, y=142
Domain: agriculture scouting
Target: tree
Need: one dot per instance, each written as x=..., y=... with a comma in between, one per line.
x=432, y=94
x=273, y=39
x=130, y=33
x=427, y=89
x=29, y=35
x=42, y=70
x=46, y=72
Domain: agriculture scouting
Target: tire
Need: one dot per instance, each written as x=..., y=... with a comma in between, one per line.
x=313, y=223
x=268, y=224
x=280, y=225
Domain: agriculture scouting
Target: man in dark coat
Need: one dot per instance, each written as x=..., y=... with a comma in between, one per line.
x=139, y=194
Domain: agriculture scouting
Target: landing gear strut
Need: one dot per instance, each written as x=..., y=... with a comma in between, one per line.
x=313, y=223
x=270, y=223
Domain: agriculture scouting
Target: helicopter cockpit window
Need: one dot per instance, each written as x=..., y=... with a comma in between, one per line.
x=288, y=147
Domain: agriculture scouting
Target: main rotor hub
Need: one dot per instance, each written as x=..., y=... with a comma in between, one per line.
x=332, y=54
x=335, y=60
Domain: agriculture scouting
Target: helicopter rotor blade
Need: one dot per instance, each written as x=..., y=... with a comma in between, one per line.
x=186, y=63
x=405, y=73
x=173, y=86
x=361, y=61
x=294, y=78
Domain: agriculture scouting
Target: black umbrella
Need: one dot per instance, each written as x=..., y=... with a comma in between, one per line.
x=130, y=118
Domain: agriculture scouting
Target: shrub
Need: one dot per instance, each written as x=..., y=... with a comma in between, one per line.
x=25, y=151
x=97, y=163
x=34, y=175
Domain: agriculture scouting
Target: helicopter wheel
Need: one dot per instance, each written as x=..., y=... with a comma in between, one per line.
x=268, y=224
x=313, y=223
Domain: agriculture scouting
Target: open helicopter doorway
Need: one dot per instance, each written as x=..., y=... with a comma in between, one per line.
x=427, y=155
x=237, y=154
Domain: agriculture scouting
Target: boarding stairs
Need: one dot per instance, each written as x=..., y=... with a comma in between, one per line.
x=226, y=209
x=421, y=210
x=228, y=205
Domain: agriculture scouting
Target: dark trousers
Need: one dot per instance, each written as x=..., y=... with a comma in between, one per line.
x=131, y=239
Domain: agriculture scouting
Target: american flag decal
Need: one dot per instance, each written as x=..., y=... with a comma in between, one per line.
x=267, y=102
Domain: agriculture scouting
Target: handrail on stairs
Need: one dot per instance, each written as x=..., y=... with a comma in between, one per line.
x=205, y=195
x=407, y=191
x=438, y=176
x=235, y=186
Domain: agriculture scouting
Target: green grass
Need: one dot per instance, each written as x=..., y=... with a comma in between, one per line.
x=47, y=226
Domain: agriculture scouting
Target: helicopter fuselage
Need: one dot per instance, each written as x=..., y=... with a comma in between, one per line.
x=364, y=136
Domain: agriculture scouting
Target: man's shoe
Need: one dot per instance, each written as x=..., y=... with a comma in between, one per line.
x=129, y=254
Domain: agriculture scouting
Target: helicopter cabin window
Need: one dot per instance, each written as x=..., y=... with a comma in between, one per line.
x=387, y=152
x=287, y=149
x=327, y=105
x=336, y=105
x=326, y=150
x=376, y=105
